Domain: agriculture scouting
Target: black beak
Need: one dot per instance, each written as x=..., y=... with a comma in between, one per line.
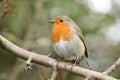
x=51, y=21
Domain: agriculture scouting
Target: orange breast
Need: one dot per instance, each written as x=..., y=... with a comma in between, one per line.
x=61, y=31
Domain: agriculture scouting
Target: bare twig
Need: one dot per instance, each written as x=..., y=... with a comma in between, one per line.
x=54, y=74
x=43, y=75
x=49, y=62
x=112, y=68
x=89, y=65
x=28, y=64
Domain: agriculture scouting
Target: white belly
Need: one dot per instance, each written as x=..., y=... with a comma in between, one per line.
x=70, y=50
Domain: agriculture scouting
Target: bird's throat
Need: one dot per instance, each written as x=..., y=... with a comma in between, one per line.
x=61, y=31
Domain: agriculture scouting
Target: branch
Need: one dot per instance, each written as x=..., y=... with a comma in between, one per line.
x=54, y=74
x=49, y=62
x=112, y=68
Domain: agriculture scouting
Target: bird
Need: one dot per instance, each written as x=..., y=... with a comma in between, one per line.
x=67, y=39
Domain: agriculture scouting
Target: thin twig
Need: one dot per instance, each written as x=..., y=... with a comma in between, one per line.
x=54, y=74
x=112, y=68
x=89, y=65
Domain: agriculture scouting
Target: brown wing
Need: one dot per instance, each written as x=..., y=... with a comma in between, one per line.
x=81, y=37
x=86, y=52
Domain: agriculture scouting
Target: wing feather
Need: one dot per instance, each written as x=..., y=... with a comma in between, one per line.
x=82, y=38
x=79, y=33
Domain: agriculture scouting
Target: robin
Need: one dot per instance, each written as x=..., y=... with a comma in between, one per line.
x=67, y=39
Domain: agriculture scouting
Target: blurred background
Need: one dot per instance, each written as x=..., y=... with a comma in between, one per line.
x=25, y=23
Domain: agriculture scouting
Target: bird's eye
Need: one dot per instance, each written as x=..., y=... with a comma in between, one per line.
x=61, y=20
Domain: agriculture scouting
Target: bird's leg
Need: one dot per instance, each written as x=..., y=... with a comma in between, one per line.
x=76, y=61
x=58, y=60
x=27, y=65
